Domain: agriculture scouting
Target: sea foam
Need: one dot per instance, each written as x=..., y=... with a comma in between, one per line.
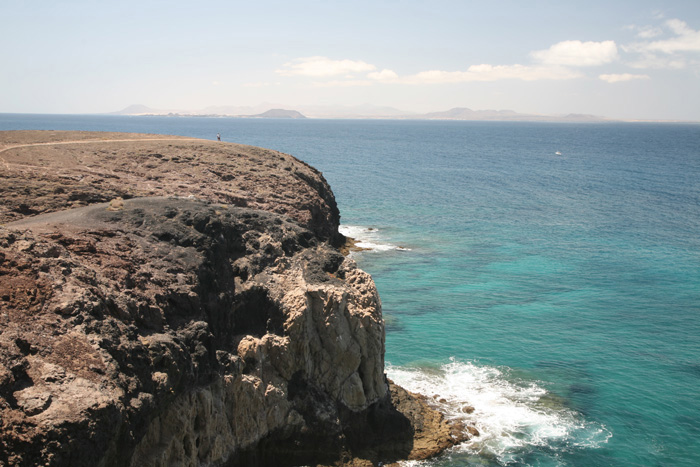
x=369, y=238
x=513, y=416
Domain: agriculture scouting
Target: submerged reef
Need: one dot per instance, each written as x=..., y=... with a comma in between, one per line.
x=172, y=301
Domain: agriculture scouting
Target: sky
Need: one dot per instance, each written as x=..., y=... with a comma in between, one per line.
x=635, y=59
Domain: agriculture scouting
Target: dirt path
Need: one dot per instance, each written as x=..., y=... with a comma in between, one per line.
x=89, y=141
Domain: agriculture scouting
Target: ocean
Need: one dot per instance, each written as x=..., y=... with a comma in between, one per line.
x=547, y=275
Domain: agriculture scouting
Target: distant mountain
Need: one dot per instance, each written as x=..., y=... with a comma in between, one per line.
x=259, y=111
x=582, y=118
x=277, y=113
x=231, y=110
x=354, y=111
x=463, y=113
x=358, y=112
x=136, y=109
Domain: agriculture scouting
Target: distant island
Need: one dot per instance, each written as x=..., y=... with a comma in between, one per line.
x=463, y=113
x=359, y=112
x=277, y=113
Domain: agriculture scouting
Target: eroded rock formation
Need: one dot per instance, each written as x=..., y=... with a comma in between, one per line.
x=183, y=331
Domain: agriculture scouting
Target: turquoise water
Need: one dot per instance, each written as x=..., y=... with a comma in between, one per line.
x=559, y=295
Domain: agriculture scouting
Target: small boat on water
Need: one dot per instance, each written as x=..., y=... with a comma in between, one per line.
x=558, y=153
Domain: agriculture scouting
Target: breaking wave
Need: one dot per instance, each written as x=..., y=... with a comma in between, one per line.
x=514, y=417
x=369, y=238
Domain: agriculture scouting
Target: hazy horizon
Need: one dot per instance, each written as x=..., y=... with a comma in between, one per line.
x=370, y=111
x=633, y=60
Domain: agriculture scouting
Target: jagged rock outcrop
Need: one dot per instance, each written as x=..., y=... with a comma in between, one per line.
x=178, y=331
x=182, y=309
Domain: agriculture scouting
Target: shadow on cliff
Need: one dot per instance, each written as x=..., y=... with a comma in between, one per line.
x=381, y=434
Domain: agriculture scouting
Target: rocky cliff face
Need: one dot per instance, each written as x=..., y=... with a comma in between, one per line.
x=166, y=330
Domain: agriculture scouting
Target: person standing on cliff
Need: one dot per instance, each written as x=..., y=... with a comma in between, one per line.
x=218, y=137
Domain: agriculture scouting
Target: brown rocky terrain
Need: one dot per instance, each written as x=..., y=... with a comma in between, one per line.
x=46, y=171
x=169, y=301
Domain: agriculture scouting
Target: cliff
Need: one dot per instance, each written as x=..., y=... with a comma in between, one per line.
x=173, y=301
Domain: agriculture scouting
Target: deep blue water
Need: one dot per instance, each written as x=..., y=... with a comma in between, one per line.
x=559, y=295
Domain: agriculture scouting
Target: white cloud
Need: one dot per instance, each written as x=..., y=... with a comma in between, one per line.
x=556, y=64
x=577, y=53
x=645, y=32
x=487, y=72
x=668, y=53
x=384, y=76
x=650, y=60
x=474, y=73
x=680, y=27
x=686, y=40
x=260, y=85
x=324, y=67
x=649, y=32
x=342, y=83
x=618, y=78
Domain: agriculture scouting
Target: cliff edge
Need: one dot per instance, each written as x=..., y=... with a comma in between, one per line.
x=169, y=301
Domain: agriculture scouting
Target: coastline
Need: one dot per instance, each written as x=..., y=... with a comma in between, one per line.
x=171, y=293
x=350, y=246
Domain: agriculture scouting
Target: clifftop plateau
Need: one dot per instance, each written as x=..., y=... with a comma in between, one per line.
x=166, y=300
x=47, y=171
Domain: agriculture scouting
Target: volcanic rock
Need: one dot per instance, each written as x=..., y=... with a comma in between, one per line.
x=182, y=328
